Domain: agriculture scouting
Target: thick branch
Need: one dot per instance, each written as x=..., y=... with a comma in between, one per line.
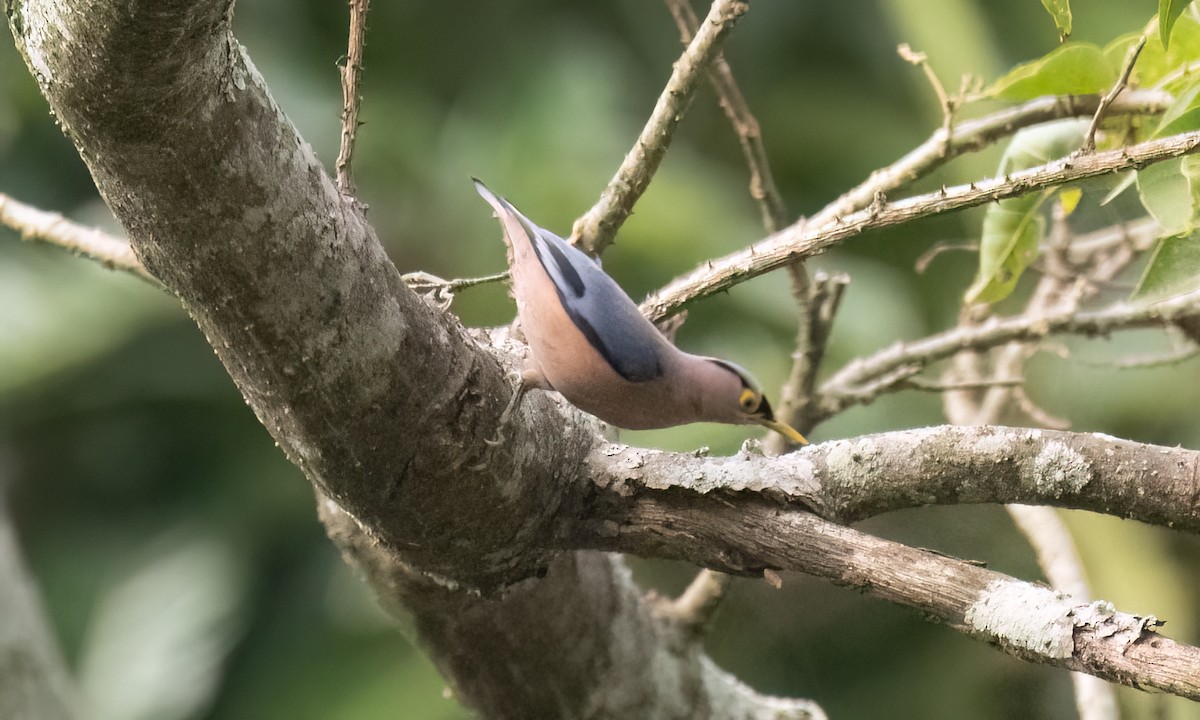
x=805, y=239
x=230, y=209
x=749, y=514
x=850, y=480
x=581, y=632
x=1026, y=620
x=382, y=401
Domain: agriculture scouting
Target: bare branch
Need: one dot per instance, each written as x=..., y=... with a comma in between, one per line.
x=1026, y=620
x=35, y=682
x=946, y=144
x=1056, y=554
x=796, y=398
x=842, y=389
x=799, y=241
x=351, y=100
x=595, y=229
x=748, y=513
x=945, y=103
x=850, y=480
x=442, y=291
x=33, y=224
x=1042, y=526
x=720, y=75
x=1089, y=143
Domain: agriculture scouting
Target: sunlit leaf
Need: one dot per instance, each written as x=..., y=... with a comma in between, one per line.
x=1173, y=270
x=1168, y=12
x=1166, y=192
x=1069, y=198
x=1070, y=69
x=1060, y=10
x=1013, y=228
x=1182, y=115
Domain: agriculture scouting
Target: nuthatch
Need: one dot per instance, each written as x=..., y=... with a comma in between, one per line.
x=588, y=340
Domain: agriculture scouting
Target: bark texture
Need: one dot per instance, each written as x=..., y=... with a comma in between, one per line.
x=381, y=400
x=384, y=402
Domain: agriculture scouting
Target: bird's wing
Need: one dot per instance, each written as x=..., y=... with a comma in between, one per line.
x=601, y=310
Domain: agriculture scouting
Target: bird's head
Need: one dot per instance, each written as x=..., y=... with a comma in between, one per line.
x=746, y=402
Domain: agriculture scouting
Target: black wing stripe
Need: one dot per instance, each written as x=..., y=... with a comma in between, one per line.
x=635, y=371
x=541, y=246
x=633, y=361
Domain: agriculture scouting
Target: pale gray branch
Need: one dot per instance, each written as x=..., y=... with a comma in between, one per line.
x=805, y=239
x=863, y=379
x=748, y=514
x=1030, y=621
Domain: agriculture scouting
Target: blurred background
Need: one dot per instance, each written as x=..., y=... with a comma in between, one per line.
x=178, y=553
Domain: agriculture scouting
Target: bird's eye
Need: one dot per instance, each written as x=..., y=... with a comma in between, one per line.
x=748, y=401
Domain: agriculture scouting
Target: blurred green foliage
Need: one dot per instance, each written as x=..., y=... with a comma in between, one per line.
x=179, y=553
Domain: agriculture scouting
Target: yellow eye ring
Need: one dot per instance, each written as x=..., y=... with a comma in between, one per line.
x=748, y=400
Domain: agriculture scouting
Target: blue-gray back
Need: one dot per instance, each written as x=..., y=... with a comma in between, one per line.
x=601, y=310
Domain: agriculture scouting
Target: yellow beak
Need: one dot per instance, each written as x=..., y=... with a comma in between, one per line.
x=783, y=429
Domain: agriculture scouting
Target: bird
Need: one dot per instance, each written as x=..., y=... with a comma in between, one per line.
x=589, y=342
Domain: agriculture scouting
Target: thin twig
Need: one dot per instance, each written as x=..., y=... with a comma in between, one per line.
x=816, y=301
x=443, y=291
x=351, y=72
x=1089, y=143
x=939, y=386
x=842, y=389
x=109, y=250
x=803, y=239
x=749, y=133
x=966, y=136
x=595, y=229
x=945, y=102
x=938, y=248
x=796, y=398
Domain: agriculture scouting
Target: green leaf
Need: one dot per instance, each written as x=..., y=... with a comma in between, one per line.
x=1060, y=10
x=1166, y=192
x=1173, y=270
x=1070, y=69
x=1184, y=101
x=1013, y=228
x=1127, y=180
x=1168, y=12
